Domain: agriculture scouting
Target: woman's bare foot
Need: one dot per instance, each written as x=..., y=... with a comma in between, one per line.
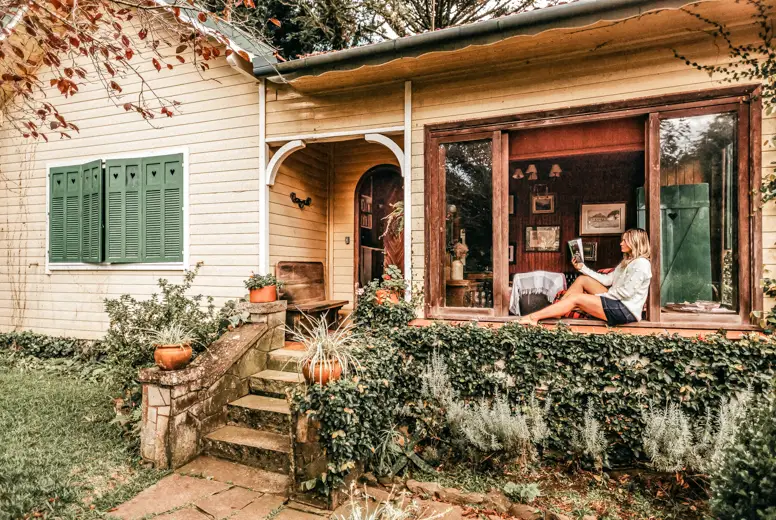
x=528, y=320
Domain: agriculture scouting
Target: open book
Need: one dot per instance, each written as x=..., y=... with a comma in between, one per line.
x=577, y=253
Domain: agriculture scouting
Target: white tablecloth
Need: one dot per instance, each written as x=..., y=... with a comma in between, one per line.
x=544, y=282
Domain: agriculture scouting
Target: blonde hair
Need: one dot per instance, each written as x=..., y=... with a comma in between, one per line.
x=638, y=241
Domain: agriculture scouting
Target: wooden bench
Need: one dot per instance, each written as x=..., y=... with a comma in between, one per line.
x=305, y=291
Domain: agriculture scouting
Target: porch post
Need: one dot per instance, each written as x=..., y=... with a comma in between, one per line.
x=263, y=267
x=407, y=168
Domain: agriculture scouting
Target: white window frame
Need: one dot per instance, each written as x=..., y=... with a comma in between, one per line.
x=134, y=266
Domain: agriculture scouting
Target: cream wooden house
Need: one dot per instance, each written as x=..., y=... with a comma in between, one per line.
x=510, y=136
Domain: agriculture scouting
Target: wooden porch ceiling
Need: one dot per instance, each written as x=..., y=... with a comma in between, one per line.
x=659, y=28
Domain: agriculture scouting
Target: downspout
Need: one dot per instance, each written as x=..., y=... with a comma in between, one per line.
x=263, y=267
x=407, y=167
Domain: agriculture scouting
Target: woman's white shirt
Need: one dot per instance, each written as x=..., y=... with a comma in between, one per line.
x=629, y=284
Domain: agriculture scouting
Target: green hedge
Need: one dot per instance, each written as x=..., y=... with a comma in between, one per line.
x=619, y=374
x=49, y=347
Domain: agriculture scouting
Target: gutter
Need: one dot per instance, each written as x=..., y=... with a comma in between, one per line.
x=576, y=14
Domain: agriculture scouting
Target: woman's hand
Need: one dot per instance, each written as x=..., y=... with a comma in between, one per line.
x=578, y=264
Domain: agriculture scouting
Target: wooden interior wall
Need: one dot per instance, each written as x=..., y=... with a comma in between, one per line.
x=586, y=179
x=300, y=234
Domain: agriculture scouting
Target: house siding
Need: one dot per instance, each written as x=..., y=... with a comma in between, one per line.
x=296, y=234
x=218, y=127
x=520, y=88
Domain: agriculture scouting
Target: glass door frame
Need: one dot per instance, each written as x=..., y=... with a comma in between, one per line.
x=748, y=104
x=436, y=229
x=746, y=209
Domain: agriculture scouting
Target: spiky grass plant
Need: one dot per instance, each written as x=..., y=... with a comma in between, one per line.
x=172, y=334
x=435, y=381
x=325, y=347
x=667, y=438
x=590, y=442
x=674, y=444
x=395, y=507
x=492, y=426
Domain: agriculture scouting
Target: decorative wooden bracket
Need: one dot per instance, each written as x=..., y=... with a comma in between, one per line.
x=390, y=144
x=280, y=156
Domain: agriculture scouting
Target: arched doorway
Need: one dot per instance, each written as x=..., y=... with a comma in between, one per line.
x=379, y=223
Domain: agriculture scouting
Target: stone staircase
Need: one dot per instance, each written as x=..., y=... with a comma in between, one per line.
x=259, y=426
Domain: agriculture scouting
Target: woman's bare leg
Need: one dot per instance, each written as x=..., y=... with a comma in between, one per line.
x=584, y=284
x=588, y=303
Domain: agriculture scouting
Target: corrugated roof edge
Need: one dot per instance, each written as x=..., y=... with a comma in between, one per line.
x=576, y=14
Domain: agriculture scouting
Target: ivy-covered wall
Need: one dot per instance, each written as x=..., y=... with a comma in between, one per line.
x=620, y=375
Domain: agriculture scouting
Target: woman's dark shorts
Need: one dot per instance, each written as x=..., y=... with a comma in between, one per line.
x=616, y=312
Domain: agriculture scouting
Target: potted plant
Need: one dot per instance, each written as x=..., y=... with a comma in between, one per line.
x=263, y=287
x=172, y=346
x=391, y=287
x=328, y=354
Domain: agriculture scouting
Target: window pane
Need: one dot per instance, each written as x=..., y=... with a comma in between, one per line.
x=468, y=223
x=699, y=213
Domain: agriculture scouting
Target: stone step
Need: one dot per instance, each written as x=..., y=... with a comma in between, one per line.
x=284, y=360
x=229, y=472
x=266, y=450
x=274, y=383
x=260, y=413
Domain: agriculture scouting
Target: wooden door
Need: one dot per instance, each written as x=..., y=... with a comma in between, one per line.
x=379, y=217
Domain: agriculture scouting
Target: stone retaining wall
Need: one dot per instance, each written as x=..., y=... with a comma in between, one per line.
x=180, y=407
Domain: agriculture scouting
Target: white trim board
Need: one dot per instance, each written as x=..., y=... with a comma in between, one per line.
x=140, y=266
x=352, y=134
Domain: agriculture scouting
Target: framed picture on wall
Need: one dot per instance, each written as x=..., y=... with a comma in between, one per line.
x=542, y=239
x=590, y=251
x=511, y=204
x=602, y=219
x=512, y=253
x=543, y=204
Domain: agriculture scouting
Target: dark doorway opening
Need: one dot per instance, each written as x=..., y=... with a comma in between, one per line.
x=379, y=223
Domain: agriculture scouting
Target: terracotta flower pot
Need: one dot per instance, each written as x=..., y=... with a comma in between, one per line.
x=264, y=295
x=322, y=374
x=172, y=357
x=383, y=295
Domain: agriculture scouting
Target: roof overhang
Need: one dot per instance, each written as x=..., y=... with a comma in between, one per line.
x=560, y=31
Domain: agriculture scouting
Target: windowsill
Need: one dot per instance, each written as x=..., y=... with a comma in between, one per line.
x=80, y=266
x=598, y=326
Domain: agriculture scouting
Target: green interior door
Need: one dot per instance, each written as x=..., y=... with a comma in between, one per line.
x=685, y=242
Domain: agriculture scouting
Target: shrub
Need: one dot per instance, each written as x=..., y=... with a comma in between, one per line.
x=409, y=372
x=49, y=347
x=129, y=340
x=744, y=487
x=369, y=314
x=590, y=442
x=493, y=426
x=523, y=493
x=673, y=443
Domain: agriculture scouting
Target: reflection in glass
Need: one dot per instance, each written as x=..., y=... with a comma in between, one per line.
x=468, y=223
x=699, y=212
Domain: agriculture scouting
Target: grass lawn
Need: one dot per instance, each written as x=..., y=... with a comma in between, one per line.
x=59, y=455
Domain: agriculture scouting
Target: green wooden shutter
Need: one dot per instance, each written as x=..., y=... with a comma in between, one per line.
x=123, y=188
x=163, y=208
x=57, y=219
x=91, y=212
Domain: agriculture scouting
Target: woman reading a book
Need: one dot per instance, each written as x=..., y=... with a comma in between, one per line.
x=617, y=297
